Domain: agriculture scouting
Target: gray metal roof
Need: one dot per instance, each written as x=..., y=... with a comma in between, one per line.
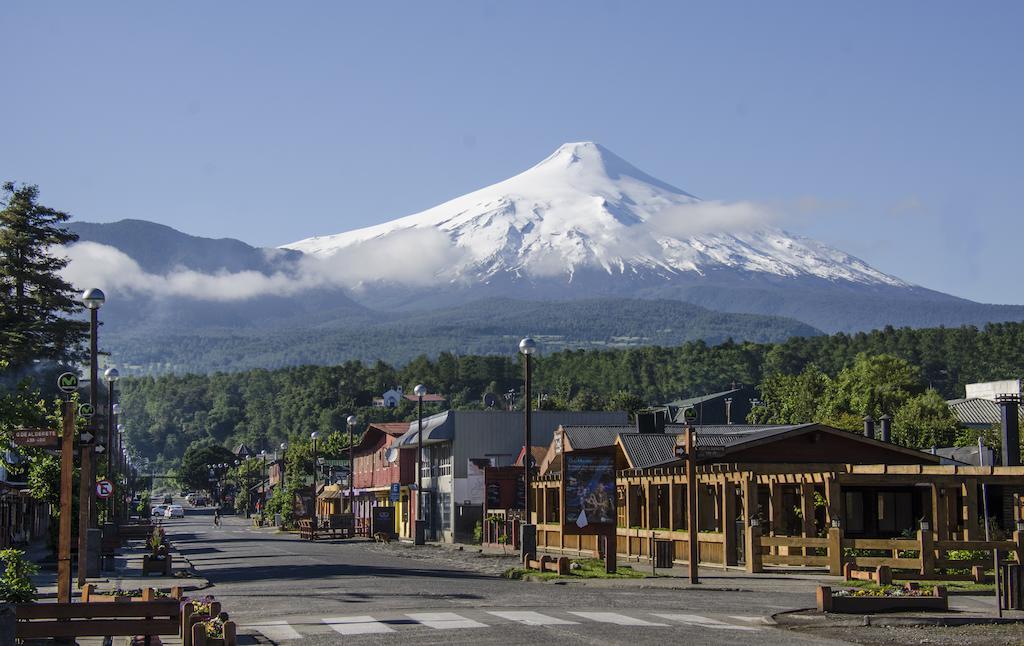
x=693, y=401
x=592, y=437
x=976, y=411
x=436, y=428
x=645, y=450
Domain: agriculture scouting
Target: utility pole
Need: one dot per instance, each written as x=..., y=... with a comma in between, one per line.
x=67, y=469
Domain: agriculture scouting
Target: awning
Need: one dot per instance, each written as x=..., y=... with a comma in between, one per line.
x=436, y=428
x=329, y=494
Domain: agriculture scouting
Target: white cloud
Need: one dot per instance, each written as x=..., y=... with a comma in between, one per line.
x=711, y=216
x=413, y=257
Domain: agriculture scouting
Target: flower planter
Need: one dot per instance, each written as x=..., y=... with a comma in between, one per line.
x=226, y=634
x=193, y=613
x=89, y=594
x=827, y=602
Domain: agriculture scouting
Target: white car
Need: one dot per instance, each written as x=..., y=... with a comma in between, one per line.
x=158, y=510
x=174, y=511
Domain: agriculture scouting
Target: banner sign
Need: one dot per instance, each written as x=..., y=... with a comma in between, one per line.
x=588, y=479
x=38, y=437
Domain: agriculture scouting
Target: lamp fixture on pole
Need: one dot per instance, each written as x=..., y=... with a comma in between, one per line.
x=313, y=437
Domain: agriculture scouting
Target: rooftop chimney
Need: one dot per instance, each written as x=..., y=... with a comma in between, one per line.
x=869, y=426
x=1011, y=429
x=886, y=423
x=646, y=421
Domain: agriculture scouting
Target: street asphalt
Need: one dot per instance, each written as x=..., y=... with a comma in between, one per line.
x=280, y=589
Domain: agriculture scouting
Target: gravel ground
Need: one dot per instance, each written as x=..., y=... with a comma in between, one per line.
x=978, y=635
x=468, y=558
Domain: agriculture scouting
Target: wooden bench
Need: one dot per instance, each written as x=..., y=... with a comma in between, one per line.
x=108, y=545
x=98, y=619
x=311, y=531
x=135, y=532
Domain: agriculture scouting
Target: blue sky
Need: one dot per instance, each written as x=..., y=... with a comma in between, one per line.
x=891, y=130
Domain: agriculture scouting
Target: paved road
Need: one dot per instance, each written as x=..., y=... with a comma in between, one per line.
x=283, y=590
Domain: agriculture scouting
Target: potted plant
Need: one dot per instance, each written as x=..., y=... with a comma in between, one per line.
x=216, y=631
x=15, y=579
x=195, y=611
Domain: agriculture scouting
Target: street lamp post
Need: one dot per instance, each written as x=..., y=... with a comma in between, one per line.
x=351, y=466
x=263, y=482
x=420, y=532
x=528, y=540
x=284, y=448
x=111, y=375
x=313, y=437
x=93, y=300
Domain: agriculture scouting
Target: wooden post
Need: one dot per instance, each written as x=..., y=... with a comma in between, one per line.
x=939, y=522
x=85, y=484
x=927, y=550
x=835, y=551
x=693, y=546
x=67, y=469
x=833, y=500
x=777, y=514
x=753, y=549
x=970, y=510
x=807, y=510
x=728, y=522
x=1018, y=538
x=672, y=506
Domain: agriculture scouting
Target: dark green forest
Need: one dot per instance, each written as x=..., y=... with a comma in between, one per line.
x=166, y=414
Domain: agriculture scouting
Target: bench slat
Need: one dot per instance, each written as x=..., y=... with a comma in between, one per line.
x=95, y=628
x=161, y=608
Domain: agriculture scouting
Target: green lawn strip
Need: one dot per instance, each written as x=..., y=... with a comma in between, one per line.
x=589, y=569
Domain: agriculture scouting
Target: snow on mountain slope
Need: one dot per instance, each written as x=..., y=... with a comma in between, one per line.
x=586, y=208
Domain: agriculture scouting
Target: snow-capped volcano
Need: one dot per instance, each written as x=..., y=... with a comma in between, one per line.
x=586, y=208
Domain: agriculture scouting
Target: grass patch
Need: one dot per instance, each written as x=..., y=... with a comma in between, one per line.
x=588, y=569
x=952, y=587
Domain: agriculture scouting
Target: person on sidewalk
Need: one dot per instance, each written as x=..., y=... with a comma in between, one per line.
x=216, y=517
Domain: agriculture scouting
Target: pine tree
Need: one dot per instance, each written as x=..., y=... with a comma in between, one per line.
x=36, y=304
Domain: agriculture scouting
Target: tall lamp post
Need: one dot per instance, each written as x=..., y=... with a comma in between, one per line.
x=351, y=466
x=313, y=437
x=93, y=300
x=528, y=539
x=284, y=448
x=420, y=528
x=263, y=482
x=111, y=375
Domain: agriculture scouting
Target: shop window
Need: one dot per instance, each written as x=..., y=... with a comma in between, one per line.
x=853, y=514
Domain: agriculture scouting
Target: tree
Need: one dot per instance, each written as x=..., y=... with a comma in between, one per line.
x=925, y=421
x=874, y=385
x=35, y=302
x=194, y=474
x=791, y=399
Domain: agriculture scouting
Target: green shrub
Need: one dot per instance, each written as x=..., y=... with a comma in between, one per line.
x=16, y=583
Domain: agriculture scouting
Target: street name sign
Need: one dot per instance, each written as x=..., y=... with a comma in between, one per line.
x=67, y=382
x=104, y=488
x=39, y=437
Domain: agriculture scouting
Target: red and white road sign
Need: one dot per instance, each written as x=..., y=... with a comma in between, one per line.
x=104, y=488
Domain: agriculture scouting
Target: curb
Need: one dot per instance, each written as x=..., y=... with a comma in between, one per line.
x=788, y=618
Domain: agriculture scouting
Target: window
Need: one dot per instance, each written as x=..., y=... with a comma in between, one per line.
x=445, y=504
x=854, y=512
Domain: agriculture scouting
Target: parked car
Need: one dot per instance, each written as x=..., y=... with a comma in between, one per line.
x=174, y=511
x=158, y=510
x=168, y=499
x=199, y=501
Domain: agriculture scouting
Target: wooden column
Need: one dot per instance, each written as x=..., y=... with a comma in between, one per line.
x=970, y=511
x=672, y=506
x=67, y=469
x=649, y=509
x=729, y=522
x=777, y=514
x=833, y=501
x=807, y=509
x=835, y=551
x=940, y=526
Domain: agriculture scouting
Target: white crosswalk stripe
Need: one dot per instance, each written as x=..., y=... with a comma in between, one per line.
x=703, y=622
x=530, y=618
x=615, y=618
x=361, y=625
x=444, y=620
x=275, y=631
x=280, y=631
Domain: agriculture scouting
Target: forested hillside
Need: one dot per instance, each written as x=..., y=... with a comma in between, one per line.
x=165, y=414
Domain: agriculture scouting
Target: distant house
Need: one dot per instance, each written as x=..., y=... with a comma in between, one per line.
x=389, y=399
x=726, y=407
x=242, y=451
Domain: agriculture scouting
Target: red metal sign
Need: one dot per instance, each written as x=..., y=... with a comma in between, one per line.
x=104, y=488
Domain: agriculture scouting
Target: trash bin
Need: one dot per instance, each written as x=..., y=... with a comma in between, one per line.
x=662, y=554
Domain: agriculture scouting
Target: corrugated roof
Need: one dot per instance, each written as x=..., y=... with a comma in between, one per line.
x=693, y=401
x=645, y=450
x=975, y=411
x=393, y=428
x=592, y=437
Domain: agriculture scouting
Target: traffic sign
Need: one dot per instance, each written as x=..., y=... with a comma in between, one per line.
x=100, y=448
x=104, y=488
x=86, y=437
x=396, y=492
x=86, y=410
x=690, y=415
x=67, y=382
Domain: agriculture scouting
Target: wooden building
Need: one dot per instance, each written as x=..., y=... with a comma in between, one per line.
x=785, y=495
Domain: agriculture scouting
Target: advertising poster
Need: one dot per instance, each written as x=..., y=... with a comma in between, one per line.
x=589, y=490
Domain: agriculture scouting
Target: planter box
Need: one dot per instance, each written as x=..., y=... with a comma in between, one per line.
x=868, y=605
x=199, y=637
x=89, y=594
x=189, y=619
x=160, y=566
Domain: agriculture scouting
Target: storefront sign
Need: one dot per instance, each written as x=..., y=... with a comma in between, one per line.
x=589, y=491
